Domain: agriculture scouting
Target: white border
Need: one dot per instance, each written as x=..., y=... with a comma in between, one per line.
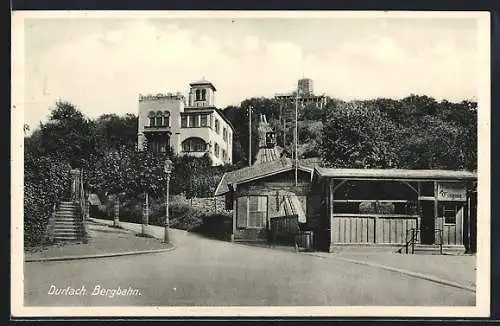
x=482, y=307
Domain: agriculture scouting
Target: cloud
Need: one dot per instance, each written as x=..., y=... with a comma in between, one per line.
x=103, y=72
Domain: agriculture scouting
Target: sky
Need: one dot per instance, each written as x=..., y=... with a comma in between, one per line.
x=101, y=65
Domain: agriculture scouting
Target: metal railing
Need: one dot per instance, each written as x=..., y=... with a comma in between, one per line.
x=413, y=236
x=83, y=208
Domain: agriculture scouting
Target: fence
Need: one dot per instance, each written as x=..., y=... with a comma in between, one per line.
x=284, y=229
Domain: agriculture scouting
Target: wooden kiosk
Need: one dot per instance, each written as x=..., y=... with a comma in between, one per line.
x=386, y=207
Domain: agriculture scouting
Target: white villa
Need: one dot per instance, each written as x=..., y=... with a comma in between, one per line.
x=193, y=129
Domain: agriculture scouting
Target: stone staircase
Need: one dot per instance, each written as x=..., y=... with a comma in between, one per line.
x=66, y=223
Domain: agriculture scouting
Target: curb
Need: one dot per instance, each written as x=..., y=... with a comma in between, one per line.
x=402, y=271
x=117, y=254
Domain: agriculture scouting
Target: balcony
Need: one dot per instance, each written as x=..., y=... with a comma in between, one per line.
x=157, y=129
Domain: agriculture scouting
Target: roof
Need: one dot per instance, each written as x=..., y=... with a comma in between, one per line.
x=257, y=171
x=395, y=173
x=225, y=118
x=203, y=81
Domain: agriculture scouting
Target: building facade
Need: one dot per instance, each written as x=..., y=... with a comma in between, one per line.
x=195, y=128
x=305, y=94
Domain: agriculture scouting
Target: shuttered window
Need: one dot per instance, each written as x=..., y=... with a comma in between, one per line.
x=252, y=212
x=242, y=212
x=257, y=211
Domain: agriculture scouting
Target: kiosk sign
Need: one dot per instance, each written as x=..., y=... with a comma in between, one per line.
x=451, y=191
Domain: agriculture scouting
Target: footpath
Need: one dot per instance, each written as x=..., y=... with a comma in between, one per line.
x=104, y=241
x=446, y=269
x=453, y=270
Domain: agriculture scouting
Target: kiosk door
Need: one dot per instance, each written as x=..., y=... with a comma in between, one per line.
x=427, y=222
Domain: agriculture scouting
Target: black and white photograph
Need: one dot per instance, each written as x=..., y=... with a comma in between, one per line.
x=263, y=163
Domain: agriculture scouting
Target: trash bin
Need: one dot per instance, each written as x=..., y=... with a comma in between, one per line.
x=304, y=240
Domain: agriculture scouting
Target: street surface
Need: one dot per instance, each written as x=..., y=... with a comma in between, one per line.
x=205, y=272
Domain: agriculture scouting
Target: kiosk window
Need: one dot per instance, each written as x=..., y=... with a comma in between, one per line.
x=449, y=211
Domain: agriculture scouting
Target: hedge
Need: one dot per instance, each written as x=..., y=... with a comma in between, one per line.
x=46, y=181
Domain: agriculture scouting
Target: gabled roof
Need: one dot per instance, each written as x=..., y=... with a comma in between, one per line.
x=395, y=174
x=257, y=171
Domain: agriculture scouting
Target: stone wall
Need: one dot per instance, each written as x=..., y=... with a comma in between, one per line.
x=209, y=205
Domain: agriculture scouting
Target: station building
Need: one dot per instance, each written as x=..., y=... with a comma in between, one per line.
x=305, y=96
x=377, y=208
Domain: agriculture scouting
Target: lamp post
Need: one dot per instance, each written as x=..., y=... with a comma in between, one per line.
x=168, y=171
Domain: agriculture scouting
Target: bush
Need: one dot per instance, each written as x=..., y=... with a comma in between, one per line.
x=218, y=226
x=46, y=181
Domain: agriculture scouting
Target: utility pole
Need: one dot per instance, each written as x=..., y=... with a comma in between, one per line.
x=249, y=135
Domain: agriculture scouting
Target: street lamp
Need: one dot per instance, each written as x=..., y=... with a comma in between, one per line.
x=168, y=171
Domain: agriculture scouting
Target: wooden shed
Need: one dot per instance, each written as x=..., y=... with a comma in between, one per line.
x=381, y=207
x=265, y=199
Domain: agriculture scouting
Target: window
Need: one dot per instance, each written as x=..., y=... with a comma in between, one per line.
x=449, y=211
x=257, y=211
x=216, y=150
x=251, y=212
x=166, y=118
x=388, y=207
x=159, y=121
x=224, y=155
x=204, y=120
x=158, y=144
x=203, y=94
x=152, y=120
x=184, y=121
x=217, y=128
x=196, y=122
x=198, y=95
x=194, y=144
x=224, y=133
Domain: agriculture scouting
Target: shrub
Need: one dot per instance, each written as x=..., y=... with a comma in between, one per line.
x=46, y=181
x=217, y=226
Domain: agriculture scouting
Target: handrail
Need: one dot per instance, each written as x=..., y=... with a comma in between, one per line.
x=414, y=239
x=83, y=207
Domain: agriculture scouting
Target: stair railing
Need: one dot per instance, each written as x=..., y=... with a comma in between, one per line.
x=413, y=233
x=83, y=208
x=410, y=243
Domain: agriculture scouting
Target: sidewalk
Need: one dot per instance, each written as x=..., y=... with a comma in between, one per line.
x=454, y=268
x=103, y=240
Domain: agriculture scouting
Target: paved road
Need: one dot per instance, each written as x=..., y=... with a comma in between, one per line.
x=205, y=272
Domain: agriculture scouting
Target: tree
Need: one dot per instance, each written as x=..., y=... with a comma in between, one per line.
x=357, y=136
x=238, y=116
x=68, y=135
x=113, y=131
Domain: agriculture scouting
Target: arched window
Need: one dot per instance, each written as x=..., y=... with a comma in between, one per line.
x=159, y=118
x=203, y=94
x=216, y=150
x=217, y=130
x=152, y=119
x=194, y=144
x=197, y=94
x=166, y=118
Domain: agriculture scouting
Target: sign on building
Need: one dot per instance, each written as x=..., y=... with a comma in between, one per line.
x=451, y=191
